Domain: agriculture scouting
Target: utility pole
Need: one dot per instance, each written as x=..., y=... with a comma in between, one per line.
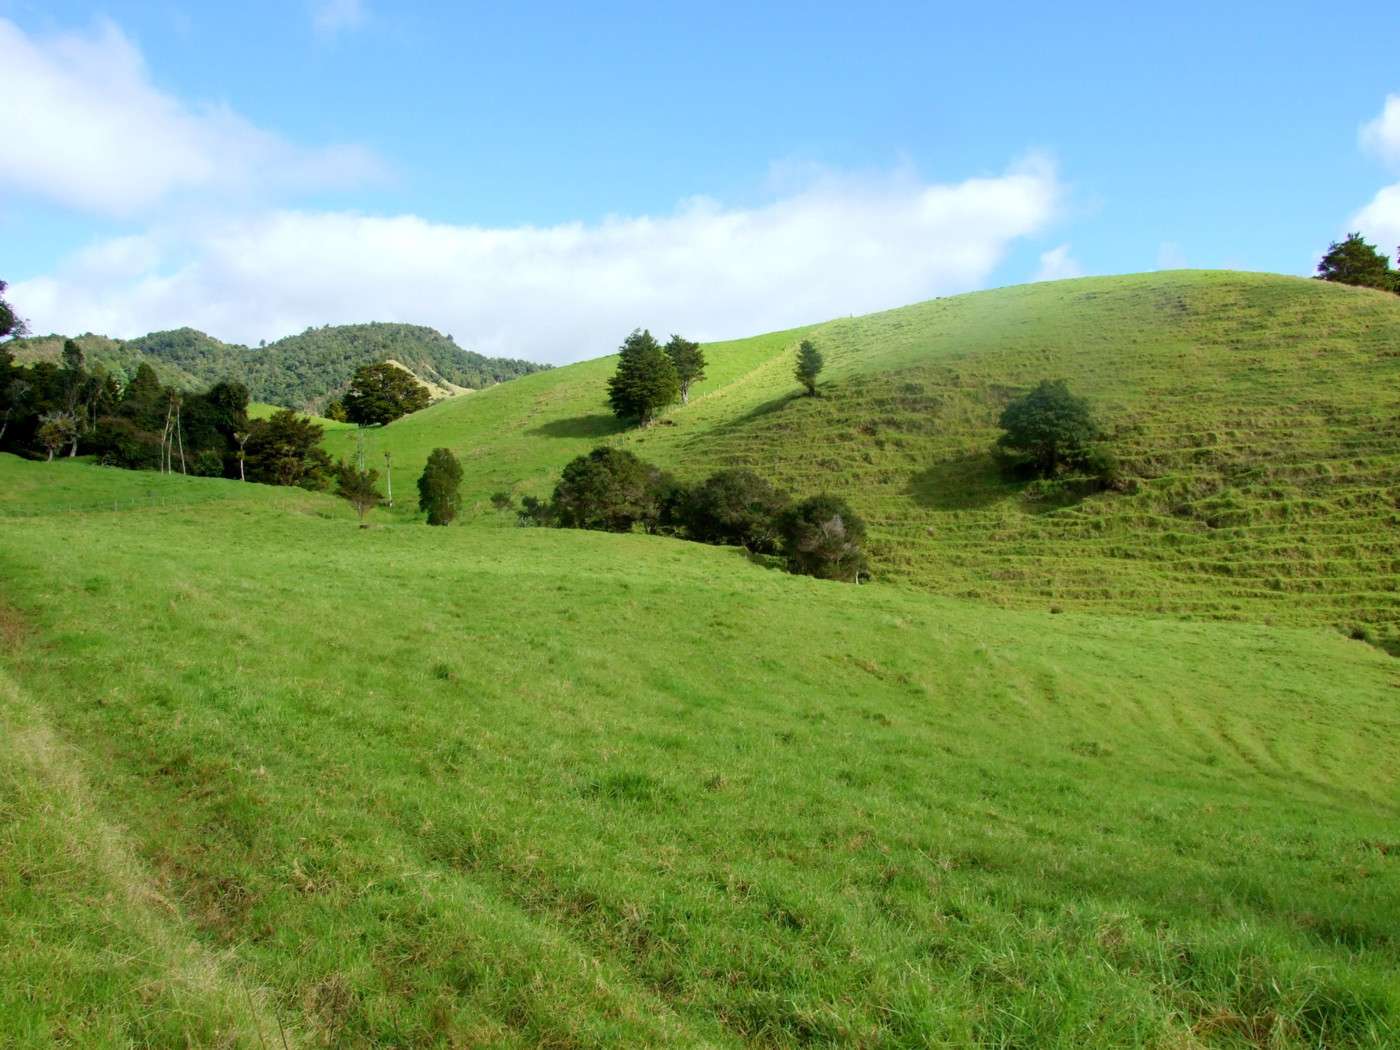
x=389, y=476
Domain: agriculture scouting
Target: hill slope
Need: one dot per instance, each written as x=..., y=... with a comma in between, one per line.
x=301, y=371
x=509, y=787
x=1261, y=415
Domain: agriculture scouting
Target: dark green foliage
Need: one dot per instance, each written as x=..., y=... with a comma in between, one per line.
x=1047, y=430
x=645, y=381
x=1353, y=261
x=809, y=366
x=306, y=370
x=10, y=324
x=381, y=393
x=689, y=362
x=502, y=500
x=822, y=536
x=535, y=511
x=440, y=487
x=737, y=508
x=609, y=489
x=359, y=488
x=285, y=449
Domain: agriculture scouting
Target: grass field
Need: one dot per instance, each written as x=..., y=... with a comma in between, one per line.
x=266, y=776
x=1260, y=415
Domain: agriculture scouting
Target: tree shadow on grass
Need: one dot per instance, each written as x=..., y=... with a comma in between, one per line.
x=969, y=482
x=597, y=425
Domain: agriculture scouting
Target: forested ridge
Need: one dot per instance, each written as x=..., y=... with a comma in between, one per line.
x=299, y=371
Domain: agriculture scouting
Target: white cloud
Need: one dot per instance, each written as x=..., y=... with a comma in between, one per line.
x=1381, y=135
x=1379, y=221
x=330, y=17
x=1057, y=265
x=560, y=293
x=83, y=125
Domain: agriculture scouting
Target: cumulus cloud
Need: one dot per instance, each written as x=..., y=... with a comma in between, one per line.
x=1379, y=221
x=1057, y=265
x=1380, y=136
x=83, y=125
x=330, y=17
x=839, y=245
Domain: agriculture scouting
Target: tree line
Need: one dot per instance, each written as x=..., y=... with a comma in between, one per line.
x=612, y=490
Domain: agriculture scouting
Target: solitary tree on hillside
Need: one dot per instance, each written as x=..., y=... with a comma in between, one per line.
x=439, y=487
x=359, y=488
x=822, y=537
x=645, y=381
x=689, y=362
x=1047, y=429
x=809, y=366
x=382, y=393
x=1353, y=261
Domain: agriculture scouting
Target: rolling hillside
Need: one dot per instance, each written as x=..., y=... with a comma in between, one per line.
x=301, y=371
x=265, y=776
x=1259, y=415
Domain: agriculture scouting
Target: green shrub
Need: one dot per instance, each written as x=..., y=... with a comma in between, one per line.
x=610, y=490
x=737, y=508
x=822, y=537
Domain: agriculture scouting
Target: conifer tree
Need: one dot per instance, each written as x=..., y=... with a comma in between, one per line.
x=645, y=381
x=439, y=487
x=809, y=366
x=689, y=362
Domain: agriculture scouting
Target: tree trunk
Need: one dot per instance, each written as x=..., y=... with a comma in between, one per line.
x=241, y=475
x=50, y=459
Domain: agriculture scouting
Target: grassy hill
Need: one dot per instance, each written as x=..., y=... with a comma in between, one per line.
x=1260, y=416
x=301, y=371
x=264, y=775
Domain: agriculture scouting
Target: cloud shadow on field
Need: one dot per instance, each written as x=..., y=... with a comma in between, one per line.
x=598, y=425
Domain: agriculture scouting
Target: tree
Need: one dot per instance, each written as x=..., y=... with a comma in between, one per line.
x=645, y=381
x=382, y=393
x=10, y=323
x=440, y=487
x=284, y=449
x=1047, y=429
x=809, y=366
x=1353, y=261
x=689, y=362
x=822, y=537
x=735, y=507
x=359, y=488
x=609, y=489
x=57, y=429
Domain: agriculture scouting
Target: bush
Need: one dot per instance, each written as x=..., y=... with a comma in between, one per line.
x=822, y=537
x=440, y=487
x=610, y=490
x=535, y=511
x=502, y=500
x=737, y=508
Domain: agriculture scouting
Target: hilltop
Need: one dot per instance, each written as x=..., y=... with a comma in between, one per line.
x=1257, y=418
x=301, y=371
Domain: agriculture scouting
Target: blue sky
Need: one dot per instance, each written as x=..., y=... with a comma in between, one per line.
x=538, y=178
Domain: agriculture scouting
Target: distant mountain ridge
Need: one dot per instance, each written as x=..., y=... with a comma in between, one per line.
x=300, y=371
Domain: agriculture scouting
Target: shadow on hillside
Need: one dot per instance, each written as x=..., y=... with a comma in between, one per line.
x=597, y=425
x=967, y=483
x=754, y=414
